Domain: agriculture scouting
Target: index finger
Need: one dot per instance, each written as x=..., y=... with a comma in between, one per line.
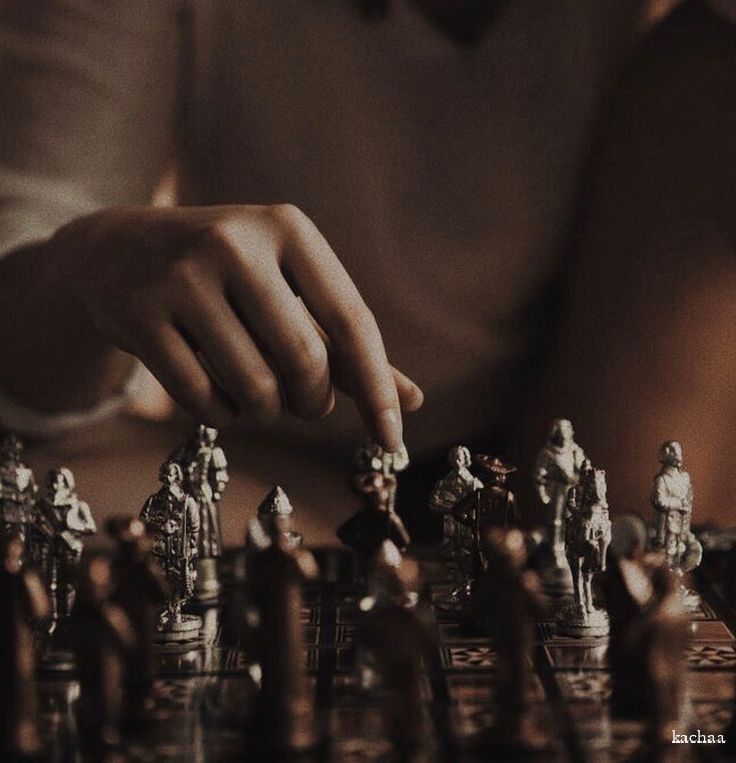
x=355, y=340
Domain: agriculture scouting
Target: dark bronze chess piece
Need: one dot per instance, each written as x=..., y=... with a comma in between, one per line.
x=276, y=504
x=587, y=537
x=102, y=637
x=285, y=720
x=24, y=602
x=557, y=470
x=17, y=490
x=171, y=517
x=61, y=521
x=508, y=599
x=140, y=590
x=204, y=467
x=672, y=499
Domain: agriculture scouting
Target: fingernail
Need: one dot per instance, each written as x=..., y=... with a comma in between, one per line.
x=389, y=429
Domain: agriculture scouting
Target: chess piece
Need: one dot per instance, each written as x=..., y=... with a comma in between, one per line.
x=204, y=467
x=557, y=470
x=102, y=637
x=371, y=459
x=448, y=492
x=672, y=499
x=285, y=720
x=393, y=647
x=140, y=591
x=24, y=602
x=508, y=599
x=61, y=521
x=587, y=537
x=171, y=517
x=17, y=490
x=277, y=504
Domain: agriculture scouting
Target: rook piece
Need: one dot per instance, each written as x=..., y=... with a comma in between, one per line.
x=24, y=602
x=205, y=477
x=172, y=520
x=277, y=504
x=587, y=537
x=17, y=490
x=672, y=499
x=285, y=720
x=557, y=470
x=102, y=636
x=140, y=591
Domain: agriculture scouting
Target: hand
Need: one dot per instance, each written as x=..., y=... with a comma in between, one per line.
x=236, y=309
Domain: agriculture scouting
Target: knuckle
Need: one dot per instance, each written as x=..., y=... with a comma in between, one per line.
x=354, y=324
x=262, y=392
x=309, y=358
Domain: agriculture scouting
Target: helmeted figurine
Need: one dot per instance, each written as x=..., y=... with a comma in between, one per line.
x=672, y=499
x=61, y=521
x=557, y=470
x=587, y=537
x=17, y=490
x=277, y=504
x=171, y=517
x=448, y=492
x=24, y=602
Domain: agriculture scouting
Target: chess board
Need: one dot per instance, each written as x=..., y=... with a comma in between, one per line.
x=203, y=691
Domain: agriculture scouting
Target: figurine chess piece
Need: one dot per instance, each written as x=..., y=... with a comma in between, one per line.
x=205, y=477
x=24, y=602
x=140, y=591
x=448, y=492
x=508, y=598
x=393, y=647
x=17, y=490
x=171, y=517
x=285, y=720
x=61, y=521
x=672, y=499
x=587, y=537
x=102, y=637
x=557, y=470
x=277, y=504
x=371, y=459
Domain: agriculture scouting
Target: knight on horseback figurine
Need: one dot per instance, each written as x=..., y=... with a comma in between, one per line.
x=587, y=537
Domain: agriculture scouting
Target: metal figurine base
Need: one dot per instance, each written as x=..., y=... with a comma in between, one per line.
x=573, y=621
x=186, y=629
x=207, y=587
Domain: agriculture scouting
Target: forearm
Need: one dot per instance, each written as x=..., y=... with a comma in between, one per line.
x=52, y=359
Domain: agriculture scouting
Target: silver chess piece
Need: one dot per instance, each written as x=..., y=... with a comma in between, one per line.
x=672, y=499
x=171, y=517
x=204, y=466
x=277, y=504
x=371, y=458
x=587, y=538
x=557, y=470
x=448, y=492
x=17, y=490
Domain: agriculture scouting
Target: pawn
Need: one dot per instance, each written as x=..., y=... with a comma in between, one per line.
x=102, y=638
x=140, y=591
x=277, y=504
x=24, y=601
x=285, y=720
x=508, y=599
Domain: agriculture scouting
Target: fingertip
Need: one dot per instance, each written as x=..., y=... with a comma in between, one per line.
x=389, y=429
x=329, y=405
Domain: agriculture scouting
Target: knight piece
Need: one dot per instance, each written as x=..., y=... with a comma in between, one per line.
x=171, y=517
x=140, y=591
x=285, y=720
x=448, y=492
x=204, y=467
x=24, y=602
x=587, y=537
x=557, y=470
x=103, y=637
x=61, y=521
x=672, y=499
x=17, y=490
x=508, y=599
x=277, y=504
